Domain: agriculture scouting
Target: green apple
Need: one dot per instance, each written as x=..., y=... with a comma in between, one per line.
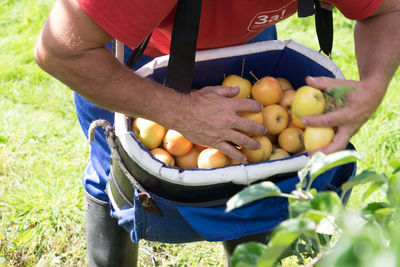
x=308, y=101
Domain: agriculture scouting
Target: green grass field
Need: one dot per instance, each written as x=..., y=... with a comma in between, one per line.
x=43, y=151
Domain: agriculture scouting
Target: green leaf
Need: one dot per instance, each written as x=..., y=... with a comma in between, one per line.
x=369, y=211
x=296, y=225
x=315, y=215
x=395, y=164
x=298, y=207
x=371, y=189
x=247, y=254
x=278, y=244
x=252, y=193
x=338, y=94
x=322, y=164
x=366, y=176
x=383, y=215
x=327, y=202
x=394, y=187
x=284, y=235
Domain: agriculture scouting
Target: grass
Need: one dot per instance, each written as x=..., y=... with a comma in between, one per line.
x=43, y=151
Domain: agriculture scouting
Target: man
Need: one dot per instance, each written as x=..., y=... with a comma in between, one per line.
x=71, y=47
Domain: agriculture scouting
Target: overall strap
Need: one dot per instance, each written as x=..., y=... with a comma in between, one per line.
x=323, y=22
x=183, y=46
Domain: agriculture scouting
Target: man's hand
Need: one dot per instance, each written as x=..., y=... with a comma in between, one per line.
x=359, y=105
x=377, y=42
x=210, y=117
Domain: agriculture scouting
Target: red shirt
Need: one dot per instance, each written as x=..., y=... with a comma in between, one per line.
x=222, y=22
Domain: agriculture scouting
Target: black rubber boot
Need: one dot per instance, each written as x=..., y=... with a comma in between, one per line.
x=107, y=243
x=230, y=245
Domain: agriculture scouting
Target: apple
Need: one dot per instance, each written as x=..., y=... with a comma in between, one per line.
x=212, y=158
x=317, y=137
x=163, y=156
x=291, y=139
x=275, y=118
x=176, y=144
x=189, y=160
x=279, y=153
x=297, y=121
x=235, y=162
x=308, y=101
x=287, y=98
x=244, y=85
x=260, y=154
x=149, y=133
x=267, y=91
x=285, y=84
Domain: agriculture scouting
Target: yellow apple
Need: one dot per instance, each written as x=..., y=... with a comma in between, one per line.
x=212, y=158
x=148, y=132
x=285, y=84
x=267, y=91
x=308, y=101
x=176, y=144
x=242, y=83
x=291, y=139
x=279, y=153
x=287, y=98
x=189, y=160
x=317, y=137
x=275, y=118
x=163, y=156
x=260, y=154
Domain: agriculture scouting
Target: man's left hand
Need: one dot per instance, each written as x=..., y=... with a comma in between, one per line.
x=359, y=105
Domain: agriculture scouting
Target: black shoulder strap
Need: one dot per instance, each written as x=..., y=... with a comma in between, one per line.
x=183, y=46
x=323, y=23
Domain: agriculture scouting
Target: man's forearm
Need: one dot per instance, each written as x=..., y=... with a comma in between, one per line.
x=71, y=48
x=377, y=42
x=98, y=76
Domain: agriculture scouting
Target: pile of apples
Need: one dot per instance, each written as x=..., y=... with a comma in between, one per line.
x=286, y=134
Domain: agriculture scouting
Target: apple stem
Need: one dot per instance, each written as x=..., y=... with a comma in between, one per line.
x=241, y=75
x=252, y=74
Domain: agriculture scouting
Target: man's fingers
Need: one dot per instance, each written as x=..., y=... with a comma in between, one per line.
x=247, y=105
x=243, y=140
x=224, y=91
x=330, y=119
x=323, y=83
x=249, y=126
x=230, y=151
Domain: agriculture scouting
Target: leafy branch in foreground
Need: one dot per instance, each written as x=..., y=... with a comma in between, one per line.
x=314, y=217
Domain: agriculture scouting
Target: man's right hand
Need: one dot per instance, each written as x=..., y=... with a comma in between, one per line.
x=210, y=117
